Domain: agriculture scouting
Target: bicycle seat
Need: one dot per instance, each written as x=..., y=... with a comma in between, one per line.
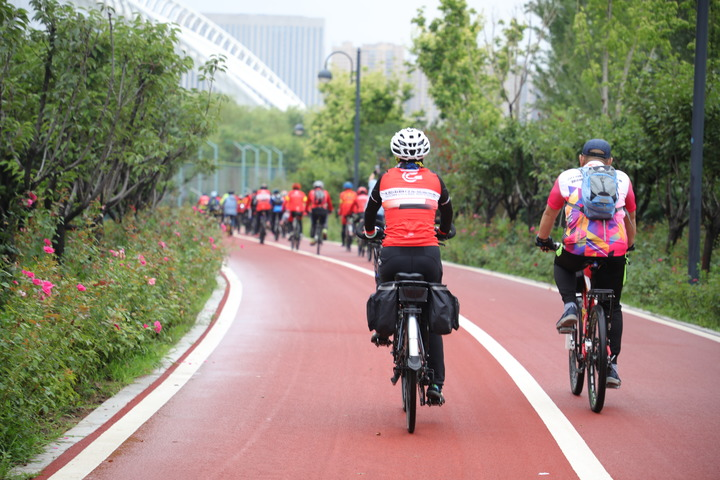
x=416, y=277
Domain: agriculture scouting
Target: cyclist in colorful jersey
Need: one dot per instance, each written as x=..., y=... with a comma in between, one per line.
x=346, y=208
x=277, y=209
x=410, y=195
x=585, y=241
x=319, y=205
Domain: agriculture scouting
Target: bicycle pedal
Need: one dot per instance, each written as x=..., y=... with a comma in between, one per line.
x=565, y=330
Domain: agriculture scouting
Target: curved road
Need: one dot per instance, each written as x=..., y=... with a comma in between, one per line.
x=287, y=385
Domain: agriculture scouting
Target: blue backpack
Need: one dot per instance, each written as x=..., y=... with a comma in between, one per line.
x=599, y=192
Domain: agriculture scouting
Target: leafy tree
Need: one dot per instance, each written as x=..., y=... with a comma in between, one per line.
x=94, y=111
x=331, y=135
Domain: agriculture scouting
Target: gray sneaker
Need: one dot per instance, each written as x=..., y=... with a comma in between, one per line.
x=568, y=319
x=613, y=379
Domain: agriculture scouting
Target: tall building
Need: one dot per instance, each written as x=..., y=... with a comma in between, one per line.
x=290, y=46
x=390, y=59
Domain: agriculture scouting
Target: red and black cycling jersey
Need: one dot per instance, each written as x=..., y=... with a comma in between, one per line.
x=410, y=198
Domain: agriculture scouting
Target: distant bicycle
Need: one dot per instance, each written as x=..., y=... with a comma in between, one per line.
x=295, y=233
x=318, y=234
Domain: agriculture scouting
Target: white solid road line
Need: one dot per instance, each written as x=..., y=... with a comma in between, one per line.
x=92, y=456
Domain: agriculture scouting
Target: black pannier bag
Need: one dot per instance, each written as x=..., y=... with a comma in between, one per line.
x=382, y=309
x=443, y=310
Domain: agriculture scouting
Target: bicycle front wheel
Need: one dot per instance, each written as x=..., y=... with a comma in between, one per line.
x=597, y=358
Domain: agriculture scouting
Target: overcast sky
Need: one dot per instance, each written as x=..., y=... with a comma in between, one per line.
x=359, y=21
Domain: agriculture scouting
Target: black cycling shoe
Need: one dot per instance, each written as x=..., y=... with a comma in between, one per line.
x=379, y=340
x=434, y=395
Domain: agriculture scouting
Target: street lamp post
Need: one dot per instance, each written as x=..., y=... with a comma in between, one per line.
x=326, y=75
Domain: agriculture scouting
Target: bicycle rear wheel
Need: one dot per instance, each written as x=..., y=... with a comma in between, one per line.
x=262, y=232
x=597, y=358
x=576, y=361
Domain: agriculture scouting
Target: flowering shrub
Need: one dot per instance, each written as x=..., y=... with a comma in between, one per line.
x=119, y=290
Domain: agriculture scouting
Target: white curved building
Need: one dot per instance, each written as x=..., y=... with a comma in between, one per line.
x=247, y=79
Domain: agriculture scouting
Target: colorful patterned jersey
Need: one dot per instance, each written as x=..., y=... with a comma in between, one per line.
x=591, y=238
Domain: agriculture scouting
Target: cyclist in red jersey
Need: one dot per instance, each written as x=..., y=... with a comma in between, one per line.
x=586, y=240
x=319, y=205
x=262, y=203
x=361, y=200
x=295, y=203
x=346, y=207
x=410, y=195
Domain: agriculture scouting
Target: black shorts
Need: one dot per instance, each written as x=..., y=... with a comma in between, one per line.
x=424, y=260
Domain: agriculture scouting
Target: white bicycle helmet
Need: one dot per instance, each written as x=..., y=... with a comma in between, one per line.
x=318, y=183
x=410, y=144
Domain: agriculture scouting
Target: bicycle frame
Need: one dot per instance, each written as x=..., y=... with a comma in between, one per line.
x=589, y=351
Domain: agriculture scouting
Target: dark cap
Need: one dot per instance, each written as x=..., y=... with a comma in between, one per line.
x=596, y=148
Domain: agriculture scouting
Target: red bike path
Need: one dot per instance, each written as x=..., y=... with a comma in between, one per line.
x=291, y=387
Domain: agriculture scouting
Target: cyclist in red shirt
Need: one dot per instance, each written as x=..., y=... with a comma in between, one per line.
x=410, y=195
x=295, y=203
x=346, y=207
x=361, y=200
x=262, y=203
x=319, y=205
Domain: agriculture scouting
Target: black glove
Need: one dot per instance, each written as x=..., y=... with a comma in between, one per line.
x=631, y=248
x=545, y=244
x=445, y=236
x=379, y=234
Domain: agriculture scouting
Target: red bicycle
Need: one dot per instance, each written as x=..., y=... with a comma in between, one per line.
x=587, y=343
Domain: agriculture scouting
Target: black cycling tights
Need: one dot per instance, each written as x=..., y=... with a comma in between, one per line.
x=425, y=260
x=610, y=275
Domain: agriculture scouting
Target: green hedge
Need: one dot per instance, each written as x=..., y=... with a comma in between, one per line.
x=67, y=328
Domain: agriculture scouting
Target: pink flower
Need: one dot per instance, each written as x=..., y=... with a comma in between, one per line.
x=532, y=229
x=142, y=260
x=145, y=325
x=151, y=281
x=211, y=239
x=214, y=247
x=116, y=326
x=47, y=287
x=47, y=241
x=48, y=249
x=37, y=281
x=81, y=287
x=162, y=244
x=177, y=233
x=29, y=274
x=22, y=293
x=158, y=326
x=32, y=198
x=166, y=259
x=223, y=227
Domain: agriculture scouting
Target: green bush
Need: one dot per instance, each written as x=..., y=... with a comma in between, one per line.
x=120, y=292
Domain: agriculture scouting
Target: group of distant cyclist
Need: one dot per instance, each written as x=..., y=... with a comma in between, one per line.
x=277, y=210
x=410, y=196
